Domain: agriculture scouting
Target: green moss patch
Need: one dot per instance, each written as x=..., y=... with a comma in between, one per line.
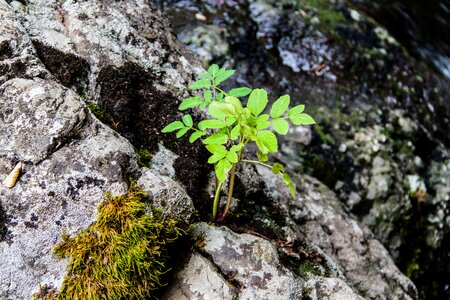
x=122, y=255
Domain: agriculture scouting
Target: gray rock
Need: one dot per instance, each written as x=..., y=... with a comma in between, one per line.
x=366, y=264
x=200, y=280
x=167, y=195
x=71, y=160
x=250, y=261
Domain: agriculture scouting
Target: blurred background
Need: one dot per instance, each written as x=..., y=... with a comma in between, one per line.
x=376, y=77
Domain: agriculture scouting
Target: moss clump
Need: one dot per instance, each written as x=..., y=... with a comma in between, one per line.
x=97, y=111
x=145, y=158
x=122, y=255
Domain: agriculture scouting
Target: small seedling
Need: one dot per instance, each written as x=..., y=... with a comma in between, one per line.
x=231, y=127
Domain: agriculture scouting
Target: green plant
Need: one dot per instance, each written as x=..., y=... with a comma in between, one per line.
x=121, y=256
x=232, y=127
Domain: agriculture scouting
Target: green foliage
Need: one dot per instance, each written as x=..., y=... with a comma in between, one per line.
x=122, y=255
x=231, y=126
x=145, y=158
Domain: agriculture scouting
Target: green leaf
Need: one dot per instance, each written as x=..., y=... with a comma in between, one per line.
x=257, y=101
x=190, y=103
x=222, y=168
x=212, y=124
x=175, y=125
x=232, y=157
x=217, y=149
x=230, y=121
x=262, y=157
x=281, y=126
x=213, y=69
x=262, y=121
x=200, y=84
x=222, y=75
x=187, y=120
x=235, y=132
x=218, y=138
x=235, y=102
x=277, y=168
x=215, y=158
x=182, y=132
x=296, y=110
x=220, y=97
x=220, y=110
x=207, y=95
x=205, y=76
x=268, y=139
x=195, y=136
x=287, y=180
x=240, y=92
x=236, y=148
x=302, y=119
x=280, y=106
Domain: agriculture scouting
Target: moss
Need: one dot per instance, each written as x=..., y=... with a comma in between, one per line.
x=307, y=267
x=145, y=158
x=97, y=111
x=122, y=255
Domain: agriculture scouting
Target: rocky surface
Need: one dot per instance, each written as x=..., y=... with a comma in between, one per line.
x=84, y=87
x=382, y=134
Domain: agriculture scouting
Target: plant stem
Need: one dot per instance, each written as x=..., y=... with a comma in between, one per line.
x=216, y=200
x=256, y=162
x=230, y=191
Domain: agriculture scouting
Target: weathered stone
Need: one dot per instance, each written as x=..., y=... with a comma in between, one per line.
x=251, y=262
x=167, y=195
x=200, y=280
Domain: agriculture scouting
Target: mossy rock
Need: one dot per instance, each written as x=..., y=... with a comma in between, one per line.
x=122, y=255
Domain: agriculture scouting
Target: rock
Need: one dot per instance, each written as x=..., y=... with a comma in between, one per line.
x=167, y=195
x=200, y=280
x=70, y=160
x=365, y=263
x=329, y=289
x=251, y=262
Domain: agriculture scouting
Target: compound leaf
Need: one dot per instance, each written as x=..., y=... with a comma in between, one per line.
x=175, y=125
x=257, y=101
x=280, y=106
x=215, y=158
x=207, y=95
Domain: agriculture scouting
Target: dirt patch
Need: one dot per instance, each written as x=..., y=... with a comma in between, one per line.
x=5, y=50
x=139, y=111
x=72, y=71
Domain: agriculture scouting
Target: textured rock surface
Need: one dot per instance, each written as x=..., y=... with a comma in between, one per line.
x=58, y=56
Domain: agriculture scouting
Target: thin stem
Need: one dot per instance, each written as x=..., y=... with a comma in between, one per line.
x=256, y=162
x=216, y=200
x=230, y=191
x=222, y=91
